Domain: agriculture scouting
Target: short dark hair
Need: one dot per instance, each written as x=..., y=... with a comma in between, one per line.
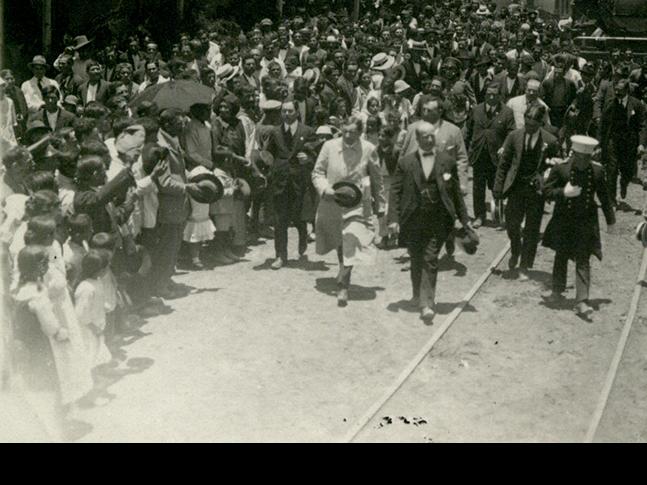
x=47, y=90
x=83, y=127
x=92, y=63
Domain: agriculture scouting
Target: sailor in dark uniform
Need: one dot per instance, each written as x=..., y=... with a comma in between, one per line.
x=573, y=231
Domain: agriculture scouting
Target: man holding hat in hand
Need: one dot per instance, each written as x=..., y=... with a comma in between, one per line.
x=574, y=232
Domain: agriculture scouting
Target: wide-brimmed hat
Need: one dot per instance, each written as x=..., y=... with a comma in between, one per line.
x=641, y=233
x=226, y=72
x=269, y=104
x=467, y=240
x=347, y=194
x=36, y=130
x=38, y=61
x=400, y=86
x=382, y=62
x=266, y=23
x=80, y=41
x=483, y=10
x=71, y=99
x=210, y=188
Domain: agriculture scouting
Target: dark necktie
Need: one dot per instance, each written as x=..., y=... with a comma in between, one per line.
x=41, y=87
x=528, y=142
x=288, y=136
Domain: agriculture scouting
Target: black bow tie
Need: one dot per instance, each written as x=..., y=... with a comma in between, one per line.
x=428, y=154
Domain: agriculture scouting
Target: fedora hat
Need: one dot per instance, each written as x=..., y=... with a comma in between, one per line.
x=80, y=41
x=641, y=233
x=347, y=194
x=226, y=72
x=468, y=240
x=36, y=131
x=38, y=61
x=382, y=62
x=209, y=187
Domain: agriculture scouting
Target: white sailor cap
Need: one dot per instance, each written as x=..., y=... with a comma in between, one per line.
x=583, y=144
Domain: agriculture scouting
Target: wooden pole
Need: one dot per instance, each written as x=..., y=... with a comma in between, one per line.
x=2, y=41
x=47, y=27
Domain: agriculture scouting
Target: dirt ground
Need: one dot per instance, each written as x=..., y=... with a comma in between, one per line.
x=257, y=355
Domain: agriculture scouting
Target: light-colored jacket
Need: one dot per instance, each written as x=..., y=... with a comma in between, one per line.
x=519, y=104
x=33, y=96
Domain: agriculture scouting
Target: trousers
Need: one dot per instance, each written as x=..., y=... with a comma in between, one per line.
x=169, y=240
x=582, y=275
x=619, y=162
x=343, y=277
x=484, y=172
x=524, y=204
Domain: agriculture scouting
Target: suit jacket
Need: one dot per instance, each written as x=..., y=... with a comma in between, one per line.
x=576, y=233
x=242, y=79
x=174, y=205
x=510, y=161
x=449, y=137
x=548, y=87
x=65, y=118
x=286, y=167
x=488, y=133
x=637, y=126
x=479, y=93
x=413, y=78
x=103, y=92
x=311, y=104
x=507, y=93
x=405, y=194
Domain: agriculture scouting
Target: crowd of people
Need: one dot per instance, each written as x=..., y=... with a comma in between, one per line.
x=362, y=135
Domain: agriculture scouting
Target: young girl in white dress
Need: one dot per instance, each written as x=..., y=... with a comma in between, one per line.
x=89, y=305
x=199, y=228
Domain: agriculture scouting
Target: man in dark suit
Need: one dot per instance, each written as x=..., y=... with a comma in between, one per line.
x=511, y=85
x=425, y=201
x=305, y=103
x=289, y=178
x=622, y=134
x=481, y=78
x=487, y=128
x=414, y=68
x=559, y=93
x=52, y=114
x=249, y=75
x=573, y=231
x=95, y=88
x=519, y=178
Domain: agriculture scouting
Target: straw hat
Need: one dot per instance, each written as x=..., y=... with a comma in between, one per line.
x=38, y=61
x=382, y=62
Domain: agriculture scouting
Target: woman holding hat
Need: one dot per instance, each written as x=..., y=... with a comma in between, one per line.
x=342, y=227
x=573, y=231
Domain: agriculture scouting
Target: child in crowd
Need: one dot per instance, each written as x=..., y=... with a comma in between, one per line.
x=199, y=228
x=89, y=305
x=80, y=231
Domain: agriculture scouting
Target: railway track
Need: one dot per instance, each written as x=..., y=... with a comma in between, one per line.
x=445, y=325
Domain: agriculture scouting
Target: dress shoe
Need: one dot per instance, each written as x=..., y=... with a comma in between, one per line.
x=312, y=237
x=221, y=259
x=583, y=309
x=196, y=264
x=554, y=298
x=266, y=232
x=427, y=314
x=523, y=274
x=342, y=298
x=278, y=263
x=478, y=222
x=303, y=247
x=514, y=261
x=231, y=255
x=167, y=294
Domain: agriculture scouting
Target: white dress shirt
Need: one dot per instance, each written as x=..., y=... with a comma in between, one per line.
x=52, y=118
x=292, y=127
x=33, y=96
x=533, y=140
x=427, y=161
x=92, y=92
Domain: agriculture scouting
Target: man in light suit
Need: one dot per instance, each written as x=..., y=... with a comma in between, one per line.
x=33, y=88
x=174, y=208
x=520, y=104
x=425, y=201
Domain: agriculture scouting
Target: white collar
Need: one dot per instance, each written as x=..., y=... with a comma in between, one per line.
x=292, y=127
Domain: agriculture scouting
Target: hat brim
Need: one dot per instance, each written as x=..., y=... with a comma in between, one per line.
x=210, y=177
x=384, y=67
x=357, y=195
x=82, y=44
